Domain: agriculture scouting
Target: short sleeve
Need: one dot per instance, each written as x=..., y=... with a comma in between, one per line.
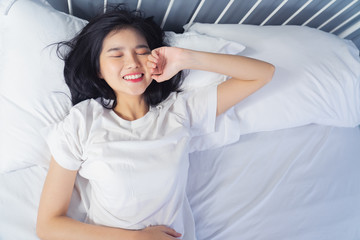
x=227, y=131
x=67, y=139
x=201, y=110
x=209, y=131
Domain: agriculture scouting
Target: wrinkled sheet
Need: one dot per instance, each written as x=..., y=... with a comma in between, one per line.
x=297, y=183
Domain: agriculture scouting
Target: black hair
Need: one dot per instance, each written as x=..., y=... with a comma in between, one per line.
x=82, y=64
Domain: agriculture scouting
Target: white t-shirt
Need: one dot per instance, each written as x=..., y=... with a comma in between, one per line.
x=137, y=169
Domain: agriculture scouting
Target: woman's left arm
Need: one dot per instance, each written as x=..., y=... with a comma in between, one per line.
x=247, y=74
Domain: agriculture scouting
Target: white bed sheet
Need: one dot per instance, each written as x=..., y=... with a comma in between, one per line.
x=19, y=197
x=294, y=184
x=298, y=183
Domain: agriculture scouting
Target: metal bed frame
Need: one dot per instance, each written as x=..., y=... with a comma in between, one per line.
x=342, y=20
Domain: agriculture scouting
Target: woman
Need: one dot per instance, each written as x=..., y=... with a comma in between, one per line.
x=129, y=130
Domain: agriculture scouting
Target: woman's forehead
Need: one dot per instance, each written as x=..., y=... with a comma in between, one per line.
x=125, y=36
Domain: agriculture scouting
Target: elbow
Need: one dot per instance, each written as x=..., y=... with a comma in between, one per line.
x=41, y=230
x=270, y=73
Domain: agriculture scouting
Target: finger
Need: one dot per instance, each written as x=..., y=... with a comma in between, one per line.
x=151, y=64
x=174, y=234
x=155, y=54
x=171, y=232
x=155, y=71
x=159, y=78
x=156, y=77
x=152, y=58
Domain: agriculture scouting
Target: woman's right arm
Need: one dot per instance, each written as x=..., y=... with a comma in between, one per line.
x=52, y=222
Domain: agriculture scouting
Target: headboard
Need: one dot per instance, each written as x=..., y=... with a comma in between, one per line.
x=340, y=17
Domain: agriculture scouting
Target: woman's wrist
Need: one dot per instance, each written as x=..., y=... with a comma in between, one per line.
x=188, y=59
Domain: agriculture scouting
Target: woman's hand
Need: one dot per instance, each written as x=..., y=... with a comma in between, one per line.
x=158, y=233
x=165, y=62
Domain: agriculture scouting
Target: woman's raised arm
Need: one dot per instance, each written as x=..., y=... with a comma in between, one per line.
x=247, y=74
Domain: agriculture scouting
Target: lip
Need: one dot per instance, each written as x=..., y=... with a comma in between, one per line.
x=134, y=80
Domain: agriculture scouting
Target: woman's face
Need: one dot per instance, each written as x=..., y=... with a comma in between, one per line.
x=123, y=61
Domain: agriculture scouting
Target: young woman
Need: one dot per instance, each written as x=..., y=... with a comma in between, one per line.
x=129, y=130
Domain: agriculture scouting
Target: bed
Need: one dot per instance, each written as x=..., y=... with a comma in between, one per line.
x=294, y=171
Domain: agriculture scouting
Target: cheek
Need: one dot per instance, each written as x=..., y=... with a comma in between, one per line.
x=110, y=69
x=145, y=67
x=102, y=69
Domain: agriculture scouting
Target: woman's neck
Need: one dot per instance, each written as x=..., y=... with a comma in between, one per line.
x=131, y=108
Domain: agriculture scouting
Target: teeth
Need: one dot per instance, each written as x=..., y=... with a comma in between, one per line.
x=136, y=76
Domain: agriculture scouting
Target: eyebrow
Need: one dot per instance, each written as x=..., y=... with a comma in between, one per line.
x=114, y=49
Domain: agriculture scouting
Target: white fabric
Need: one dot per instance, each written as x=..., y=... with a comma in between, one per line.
x=137, y=169
x=299, y=184
x=33, y=93
x=317, y=77
x=19, y=200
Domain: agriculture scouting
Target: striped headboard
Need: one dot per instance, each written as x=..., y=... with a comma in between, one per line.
x=340, y=17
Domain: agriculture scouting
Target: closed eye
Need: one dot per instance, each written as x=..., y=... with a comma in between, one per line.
x=143, y=53
x=142, y=50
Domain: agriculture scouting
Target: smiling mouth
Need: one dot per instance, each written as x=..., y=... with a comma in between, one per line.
x=134, y=77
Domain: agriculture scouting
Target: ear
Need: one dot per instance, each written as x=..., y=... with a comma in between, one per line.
x=100, y=75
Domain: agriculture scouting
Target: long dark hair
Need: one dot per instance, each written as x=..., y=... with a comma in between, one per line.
x=82, y=63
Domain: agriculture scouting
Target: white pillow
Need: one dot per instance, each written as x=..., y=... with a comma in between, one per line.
x=33, y=93
x=317, y=78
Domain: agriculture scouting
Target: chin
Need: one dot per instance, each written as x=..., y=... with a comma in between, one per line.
x=137, y=92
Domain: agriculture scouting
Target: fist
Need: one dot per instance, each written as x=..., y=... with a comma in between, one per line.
x=164, y=63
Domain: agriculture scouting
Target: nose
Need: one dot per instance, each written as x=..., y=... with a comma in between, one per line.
x=132, y=61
